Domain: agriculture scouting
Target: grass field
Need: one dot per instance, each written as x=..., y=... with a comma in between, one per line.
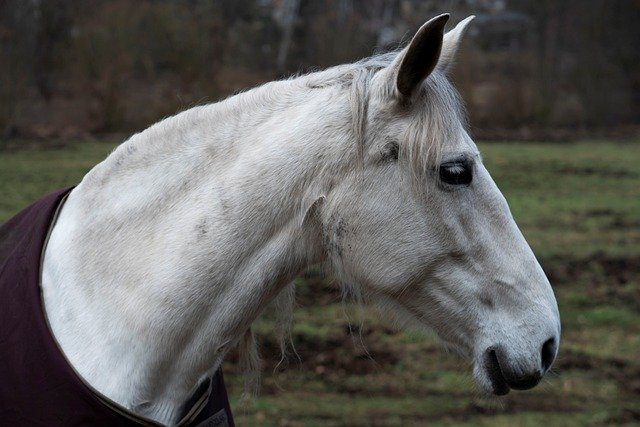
x=578, y=204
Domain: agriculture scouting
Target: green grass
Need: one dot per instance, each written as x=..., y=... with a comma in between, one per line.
x=578, y=204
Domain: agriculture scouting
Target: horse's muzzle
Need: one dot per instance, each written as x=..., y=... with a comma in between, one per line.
x=506, y=375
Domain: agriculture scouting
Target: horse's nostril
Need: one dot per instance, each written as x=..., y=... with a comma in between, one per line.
x=548, y=353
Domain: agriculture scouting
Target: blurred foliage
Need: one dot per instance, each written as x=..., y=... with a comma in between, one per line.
x=527, y=69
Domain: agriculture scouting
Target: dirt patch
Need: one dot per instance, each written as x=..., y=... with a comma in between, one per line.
x=609, y=219
x=521, y=402
x=626, y=374
x=625, y=416
x=344, y=352
x=352, y=357
x=619, y=268
x=607, y=278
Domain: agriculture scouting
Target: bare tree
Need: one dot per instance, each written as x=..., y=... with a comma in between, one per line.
x=287, y=19
x=385, y=31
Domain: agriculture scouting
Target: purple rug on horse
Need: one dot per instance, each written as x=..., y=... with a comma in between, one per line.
x=38, y=387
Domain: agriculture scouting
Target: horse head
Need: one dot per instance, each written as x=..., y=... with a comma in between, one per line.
x=422, y=229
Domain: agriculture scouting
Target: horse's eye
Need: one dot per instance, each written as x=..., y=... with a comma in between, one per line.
x=456, y=173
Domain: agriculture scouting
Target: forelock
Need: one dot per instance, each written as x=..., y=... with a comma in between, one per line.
x=437, y=118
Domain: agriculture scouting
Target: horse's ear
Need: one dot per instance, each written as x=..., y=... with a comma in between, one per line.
x=418, y=60
x=451, y=43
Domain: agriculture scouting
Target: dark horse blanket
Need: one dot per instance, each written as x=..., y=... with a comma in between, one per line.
x=38, y=387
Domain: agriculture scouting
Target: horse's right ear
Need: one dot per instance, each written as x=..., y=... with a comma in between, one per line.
x=415, y=62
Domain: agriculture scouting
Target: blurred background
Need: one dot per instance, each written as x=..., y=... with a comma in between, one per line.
x=530, y=69
x=553, y=94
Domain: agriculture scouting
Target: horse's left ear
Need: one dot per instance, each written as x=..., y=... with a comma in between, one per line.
x=451, y=43
x=419, y=59
x=429, y=49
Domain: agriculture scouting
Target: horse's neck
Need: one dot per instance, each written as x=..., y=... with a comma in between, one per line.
x=167, y=251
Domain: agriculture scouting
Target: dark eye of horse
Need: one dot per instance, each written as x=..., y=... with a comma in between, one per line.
x=456, y=173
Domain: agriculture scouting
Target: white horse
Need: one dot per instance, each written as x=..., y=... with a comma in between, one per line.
x=168, y=250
